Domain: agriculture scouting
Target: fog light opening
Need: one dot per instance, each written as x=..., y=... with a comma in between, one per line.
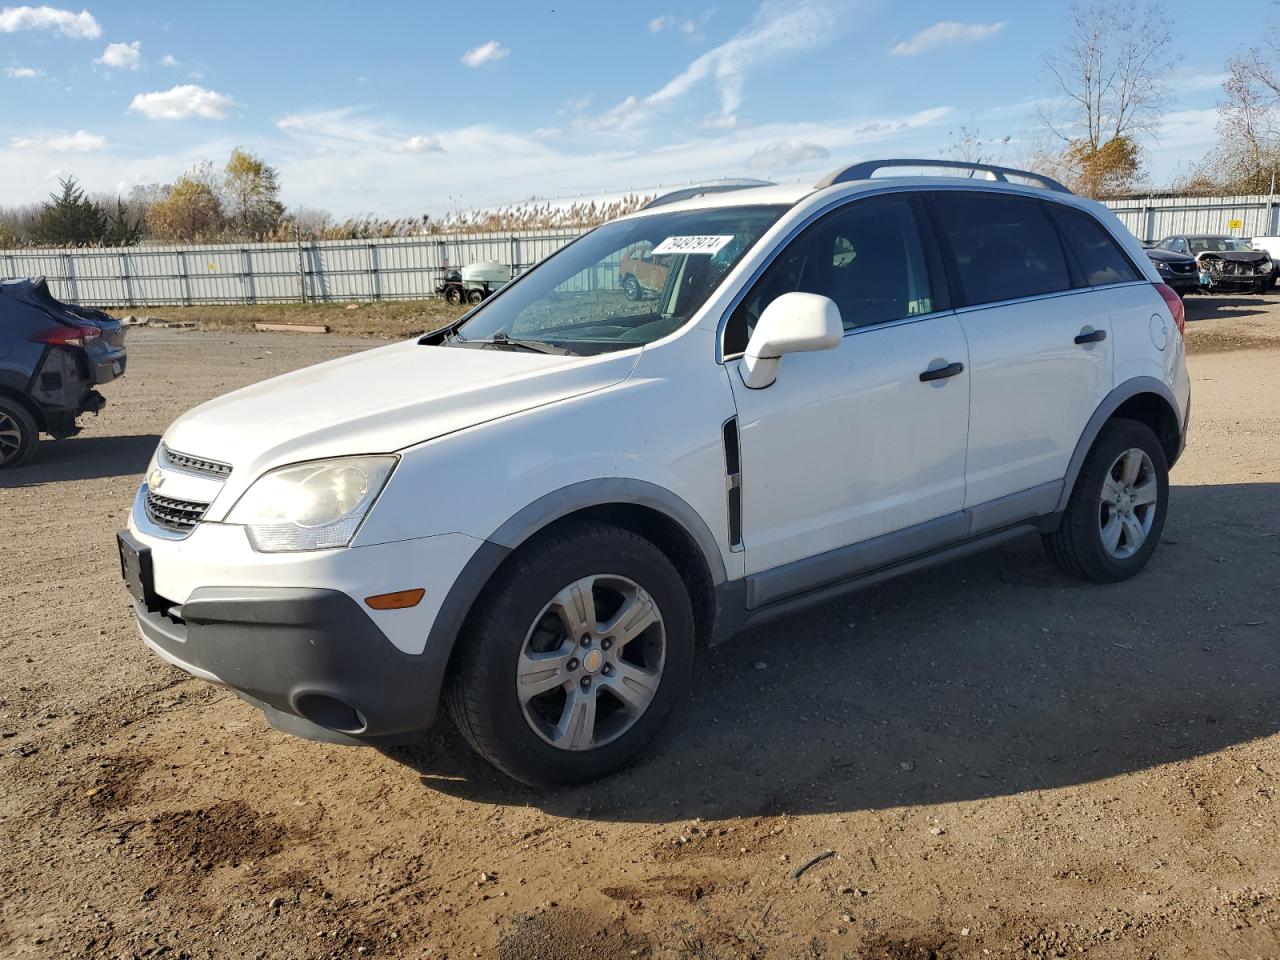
x=331, y=713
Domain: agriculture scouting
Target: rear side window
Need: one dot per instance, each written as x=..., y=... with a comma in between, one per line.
x=1004, y=247
x=1100, y=257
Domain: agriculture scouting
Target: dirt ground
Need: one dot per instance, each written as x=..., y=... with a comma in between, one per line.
x=1003, y=762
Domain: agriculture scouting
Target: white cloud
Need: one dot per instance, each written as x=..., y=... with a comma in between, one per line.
x=183, y=101
x=421, y=144
x=168, y=60
x=1189, y=82
x=122, y=56
x=787, y=154
x=490, y=52
x=22, y=73
x=943, y=34
x=668, y=22
x=777, y=30
x=82, y=141
x=81, y=26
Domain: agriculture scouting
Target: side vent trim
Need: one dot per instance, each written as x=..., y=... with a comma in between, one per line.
x=733, y=482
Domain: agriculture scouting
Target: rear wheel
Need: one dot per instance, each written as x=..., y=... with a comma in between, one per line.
x=574, y=657
x=18, y=433
x=1116, y=513
x=475, y=296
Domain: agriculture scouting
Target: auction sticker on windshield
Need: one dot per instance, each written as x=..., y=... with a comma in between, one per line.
x=701, y=245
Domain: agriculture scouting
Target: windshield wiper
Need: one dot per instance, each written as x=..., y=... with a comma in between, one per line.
x=500, y=339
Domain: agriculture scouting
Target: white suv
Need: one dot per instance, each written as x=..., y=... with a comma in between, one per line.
x=540, y=512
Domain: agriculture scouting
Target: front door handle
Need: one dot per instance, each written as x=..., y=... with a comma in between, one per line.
x=1093, y=336
x=941, y=373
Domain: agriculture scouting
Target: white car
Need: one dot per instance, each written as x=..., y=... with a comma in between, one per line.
x=540, y=513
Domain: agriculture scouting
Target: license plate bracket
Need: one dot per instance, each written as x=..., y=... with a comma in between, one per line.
x=135, y=569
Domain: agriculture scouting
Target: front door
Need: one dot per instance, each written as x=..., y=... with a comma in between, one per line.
x=851, y=444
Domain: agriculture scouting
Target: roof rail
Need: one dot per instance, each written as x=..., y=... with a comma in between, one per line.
x=687, y=193
x=866, y=169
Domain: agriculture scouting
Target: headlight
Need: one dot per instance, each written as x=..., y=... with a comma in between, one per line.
x=311, y=506
x=1162, y=266
x=1265, y=266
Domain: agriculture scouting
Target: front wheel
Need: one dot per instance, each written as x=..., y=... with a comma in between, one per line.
x=1116, y=513
x=631, y=288
x=574, y=656
x=453, y=295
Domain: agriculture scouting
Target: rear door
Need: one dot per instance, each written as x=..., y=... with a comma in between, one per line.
x=1040, y=359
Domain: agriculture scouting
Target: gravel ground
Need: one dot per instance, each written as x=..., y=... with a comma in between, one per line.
x=1004, y=762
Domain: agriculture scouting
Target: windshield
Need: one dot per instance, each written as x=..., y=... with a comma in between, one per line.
x=1219, y=245
x=622, y=285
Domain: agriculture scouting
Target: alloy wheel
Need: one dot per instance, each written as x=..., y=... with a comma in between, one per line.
x=591, y=662
x=1127, y=506
x=10, y=437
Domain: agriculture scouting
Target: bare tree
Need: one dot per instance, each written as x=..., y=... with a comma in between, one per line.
x=969, y=145
x=1248, y=155
x=1109, y=75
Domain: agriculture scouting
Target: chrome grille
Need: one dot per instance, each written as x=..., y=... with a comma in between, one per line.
x=170, y=513
x=185, y=461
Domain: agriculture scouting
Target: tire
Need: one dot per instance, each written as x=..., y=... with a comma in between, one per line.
x=631, y=287
x=1081, y=545
x=18, y=433
x=526, y=613
x=475, y=296
x=453, y=295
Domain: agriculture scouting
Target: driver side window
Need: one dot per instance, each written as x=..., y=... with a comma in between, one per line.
x=867, y=257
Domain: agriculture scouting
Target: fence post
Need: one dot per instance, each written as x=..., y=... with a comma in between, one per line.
x=69, y=276
x=375, y=279
x=302, y=274
x=515, y=257
x=184, y=276
x=1149, y=220
x=246, y=276
x=124, y=277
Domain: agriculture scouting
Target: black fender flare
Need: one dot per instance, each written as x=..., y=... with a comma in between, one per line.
x=1109, y=405
x=540, y=514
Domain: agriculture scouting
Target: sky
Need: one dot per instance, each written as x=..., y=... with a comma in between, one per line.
x=410, y=108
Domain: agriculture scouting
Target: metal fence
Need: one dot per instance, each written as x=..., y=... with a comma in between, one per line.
x=397, y=268
x=407, y=268
x=1157, y=217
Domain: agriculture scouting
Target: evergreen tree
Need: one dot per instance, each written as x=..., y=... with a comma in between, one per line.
x=70, y=218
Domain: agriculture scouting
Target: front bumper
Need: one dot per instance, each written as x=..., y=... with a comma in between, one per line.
x=1182, y=283
x=290, y=631
x=312, y=659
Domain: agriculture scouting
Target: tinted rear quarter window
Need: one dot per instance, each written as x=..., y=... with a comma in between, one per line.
x=1003, y=247
x=1100, y=258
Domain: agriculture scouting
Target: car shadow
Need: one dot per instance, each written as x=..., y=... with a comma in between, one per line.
x=1208, y=306
x=83, y=458
x=987, y=677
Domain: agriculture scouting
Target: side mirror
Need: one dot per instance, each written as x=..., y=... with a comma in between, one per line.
x=793, y=323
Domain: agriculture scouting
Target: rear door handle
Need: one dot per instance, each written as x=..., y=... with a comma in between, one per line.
x=1093, y=336
x=941, y=373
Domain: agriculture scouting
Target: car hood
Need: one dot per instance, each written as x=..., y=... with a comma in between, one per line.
x=382, y=400
x=1168, y=256
x=1244, y=256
